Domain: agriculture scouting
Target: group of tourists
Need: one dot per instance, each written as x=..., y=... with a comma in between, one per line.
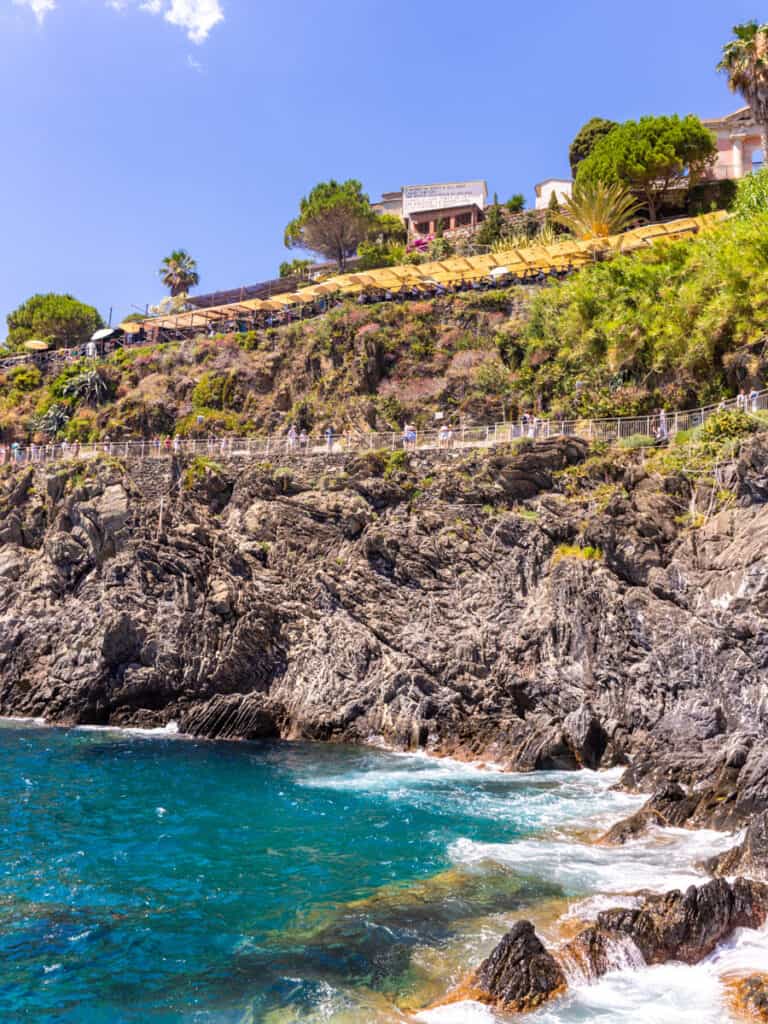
x=747, y=402
x=298, y=441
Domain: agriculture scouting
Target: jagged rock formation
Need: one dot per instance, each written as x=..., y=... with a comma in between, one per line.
x=748, y=858
x=676, y=926
x=429, y=602
x=669, y=806
x=520, y=974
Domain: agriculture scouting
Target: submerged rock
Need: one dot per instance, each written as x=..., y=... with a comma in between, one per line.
x=520, y=974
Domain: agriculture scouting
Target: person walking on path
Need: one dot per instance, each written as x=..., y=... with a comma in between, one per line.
x=663, y=425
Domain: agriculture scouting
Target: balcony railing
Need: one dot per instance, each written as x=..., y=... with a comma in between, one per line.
x=724, y=172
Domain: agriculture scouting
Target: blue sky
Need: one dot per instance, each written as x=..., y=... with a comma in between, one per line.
x=132, y=127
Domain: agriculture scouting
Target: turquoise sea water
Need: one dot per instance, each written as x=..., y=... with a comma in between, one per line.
x=164, y=880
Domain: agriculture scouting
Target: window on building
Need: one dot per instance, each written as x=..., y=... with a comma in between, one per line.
x=422, y=227
x=462, y=219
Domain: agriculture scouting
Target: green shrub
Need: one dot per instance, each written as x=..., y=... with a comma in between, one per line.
x=637, y=441
x=586, y=554
x=215, y=421
x=391, y=410
x=248, y=341
x=494, y=301
x=711, y=195
x=71, y=372
x=81, y=428
x=396, y=462
x=53, y=420
x=492, y=377
x=198, y=470
x=727, y=424
x=676, y=313
x=215, y=391
x=752, y=195
x=93, y=387
x=26, y=377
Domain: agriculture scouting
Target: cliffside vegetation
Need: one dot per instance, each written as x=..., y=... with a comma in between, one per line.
x=678, y=325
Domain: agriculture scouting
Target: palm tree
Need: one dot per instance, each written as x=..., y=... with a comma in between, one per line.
x=745, y=61
x=596, y=210
x=179, y=272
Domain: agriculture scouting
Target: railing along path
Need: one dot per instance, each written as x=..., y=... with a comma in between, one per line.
x=654, y=429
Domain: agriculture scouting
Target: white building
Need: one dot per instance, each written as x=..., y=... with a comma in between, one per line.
x=561, y=187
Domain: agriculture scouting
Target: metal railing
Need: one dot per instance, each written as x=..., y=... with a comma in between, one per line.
x=647, y=430
x=722, y=172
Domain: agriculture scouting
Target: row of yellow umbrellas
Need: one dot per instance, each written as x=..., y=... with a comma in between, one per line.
x=456, y=268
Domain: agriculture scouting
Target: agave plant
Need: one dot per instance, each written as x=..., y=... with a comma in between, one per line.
x=597, y=210
x=90, y=387
x=745, y=62
x=520, y=239
x=52, y=421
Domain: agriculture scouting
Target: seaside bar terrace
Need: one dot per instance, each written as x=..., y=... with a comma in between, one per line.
x=455, y=270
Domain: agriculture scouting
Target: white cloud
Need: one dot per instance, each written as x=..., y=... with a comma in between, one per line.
x=195, y=65
x=198, y=17
x=38, y=7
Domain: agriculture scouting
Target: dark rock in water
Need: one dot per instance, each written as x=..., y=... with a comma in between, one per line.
x=670, y=806
x=520, y=974
x=674, y=927
x=752, y=996
x=725, y=779
x=750, y=858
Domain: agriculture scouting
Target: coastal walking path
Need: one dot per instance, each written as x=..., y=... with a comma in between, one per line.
x=644, y=430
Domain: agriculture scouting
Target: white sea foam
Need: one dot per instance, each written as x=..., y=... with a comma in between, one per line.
x=541, y=800
x=13, y=720
x=170, y=729
x=458, y=1013
x=664, y=859
x=666, y=994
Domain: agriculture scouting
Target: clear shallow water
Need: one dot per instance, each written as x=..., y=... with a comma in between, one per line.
x=162, y=880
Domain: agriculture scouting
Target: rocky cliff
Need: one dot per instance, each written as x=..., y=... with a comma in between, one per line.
x=461, y=603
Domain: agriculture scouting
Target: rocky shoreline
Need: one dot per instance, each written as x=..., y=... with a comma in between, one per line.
x=463, y=604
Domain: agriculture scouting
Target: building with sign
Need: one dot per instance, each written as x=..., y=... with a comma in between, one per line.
x=454, y=205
